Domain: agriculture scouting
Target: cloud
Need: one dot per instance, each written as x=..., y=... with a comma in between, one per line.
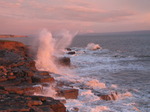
x=83, y=15
x=41, y=10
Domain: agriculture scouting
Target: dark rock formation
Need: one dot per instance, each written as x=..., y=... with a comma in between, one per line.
x=22, y=103
x=71, y=52
x=19, y=80
x=68, y=49
x=68, y=93
x=111, y=96
x=65, y=61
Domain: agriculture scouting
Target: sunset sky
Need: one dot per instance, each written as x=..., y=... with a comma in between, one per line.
x=84, y=16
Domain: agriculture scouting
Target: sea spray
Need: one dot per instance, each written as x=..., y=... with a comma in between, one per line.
x=92, y=46
x=63, y=40
x=45, y=59
x=49, y=48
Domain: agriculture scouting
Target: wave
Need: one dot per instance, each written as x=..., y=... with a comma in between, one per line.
x=92, y=46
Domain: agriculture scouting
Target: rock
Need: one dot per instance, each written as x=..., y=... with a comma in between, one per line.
x=23, y=89
x=12, y=82
x=68, y=93
x=41, y=109
x=65, y=61
x=19, y=80
x=49, y=102
x=112, y=96
x=11, y=77
x=18, y=47
x=14, y=108
x=68, y=49
x=3, y=78
x=31, y=64
x=3, y=92
x=34, y=102
x=42, y=73
x=42, y=78
x=21, y=103
x=75, y=109
x=55, y=105
x=71, y=52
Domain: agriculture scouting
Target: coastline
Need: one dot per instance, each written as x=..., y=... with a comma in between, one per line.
x=20, y=80
x=12, y=36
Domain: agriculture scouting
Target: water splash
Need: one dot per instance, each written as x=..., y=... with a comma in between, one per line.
x=92, y=46
x=49, y=47
x=45, y=59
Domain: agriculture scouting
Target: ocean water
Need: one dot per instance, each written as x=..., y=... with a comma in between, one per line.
x=121, y=65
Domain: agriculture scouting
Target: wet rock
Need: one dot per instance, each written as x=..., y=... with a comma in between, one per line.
x=112, y=96
x=49, y=102
x=42, y=73
x=42, y=79
x=62, y=101
x=21, y=103
x=68, y=93
x=68, y=49
x=71, y=52
x=65, y=61
x=55, y=105
x=75, y=109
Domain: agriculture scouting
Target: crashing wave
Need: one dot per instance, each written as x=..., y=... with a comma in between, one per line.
x=92, y=46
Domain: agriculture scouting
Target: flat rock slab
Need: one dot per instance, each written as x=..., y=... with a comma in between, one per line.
x=42, y=79
x=68, y=93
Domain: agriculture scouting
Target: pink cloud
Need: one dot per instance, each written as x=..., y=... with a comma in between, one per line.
x=31, y=15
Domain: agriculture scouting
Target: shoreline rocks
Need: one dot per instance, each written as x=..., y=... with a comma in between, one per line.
x=23, y=103
x=19, y=80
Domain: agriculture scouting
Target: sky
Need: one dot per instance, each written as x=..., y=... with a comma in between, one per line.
x=83, y=16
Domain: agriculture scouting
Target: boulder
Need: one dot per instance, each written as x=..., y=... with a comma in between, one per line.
x=111, y=96
x=42, y=79
x=71, y=52
x=65, y=61
x=68, y=49
x=68, y=93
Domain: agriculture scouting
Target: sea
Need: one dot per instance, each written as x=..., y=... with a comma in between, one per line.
x=105, y=64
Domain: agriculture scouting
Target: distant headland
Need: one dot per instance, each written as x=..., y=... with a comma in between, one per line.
x=11, y=36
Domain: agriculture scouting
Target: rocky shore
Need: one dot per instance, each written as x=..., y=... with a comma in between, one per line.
x=22, y=86
x=20, y=80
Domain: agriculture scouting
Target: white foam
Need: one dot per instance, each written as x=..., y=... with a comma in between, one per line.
x=95, y=84
x=92, y=46
x=48, y=47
